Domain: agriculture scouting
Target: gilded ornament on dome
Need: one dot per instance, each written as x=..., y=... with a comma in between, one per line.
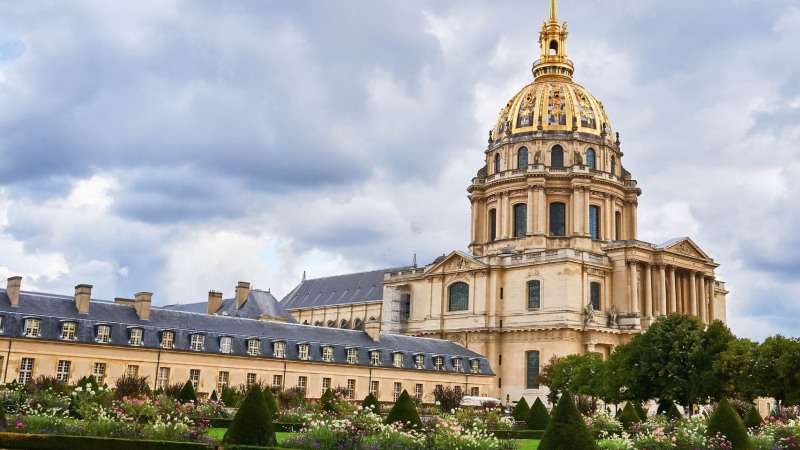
x=556, y=108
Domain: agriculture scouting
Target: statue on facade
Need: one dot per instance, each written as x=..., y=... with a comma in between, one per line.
x=589, y=312
x=613, y=316
x=536, y=157
x=578, y=158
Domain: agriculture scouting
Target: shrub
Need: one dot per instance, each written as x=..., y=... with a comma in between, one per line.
x=252, y=424
x=405, y=412
x=327, y=400
x=131, y=386
x=640, y=411
x=272, y=404
x=173, y=390
x=448, y=398
x=628, y=417
x=674, y=413
x=520, y=411
x=371, y=403
x=187, y=393
x=291, y=397
x=664, y=405
x=231, y=396
x=566, y=430
x=213, y=397
x=753, y=418
x=538, y=417
x=727, y=422
x=89, y=381
x=2, y=417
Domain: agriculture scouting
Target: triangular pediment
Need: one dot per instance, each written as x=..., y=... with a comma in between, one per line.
x=456, y=261
x=686, y=247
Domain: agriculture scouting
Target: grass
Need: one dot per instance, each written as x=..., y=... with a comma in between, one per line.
x=529, y=444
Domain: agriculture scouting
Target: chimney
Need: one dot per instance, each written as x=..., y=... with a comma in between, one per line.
x=12, y=290
x=82, y=294
x=373, y=329
x=242, y=291
x=124, y=301
x=142, y=304
x=214, y=302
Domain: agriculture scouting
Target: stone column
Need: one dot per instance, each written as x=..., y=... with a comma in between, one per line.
x=529, y=216
x=701, y=297
x=648, y=290
x=608, y=229
x=662, y=279
x=634, y=294
x=473, y=235
x=575, y=204
x=586, y=229
x=673, y=302
x=693, y=293
x=541, y=208
x=711, y=309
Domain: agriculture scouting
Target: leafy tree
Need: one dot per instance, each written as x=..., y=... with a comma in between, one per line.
x=252, y=424
x=327, y=400
x=567, y=430
x=726, y=421
x=735, y=370
x=448, y=398
x=706, y=383
x=575, y=374
x=187, y=393
x=777, y=369
x=538, y=417
x=405, y=412
x=520, y=411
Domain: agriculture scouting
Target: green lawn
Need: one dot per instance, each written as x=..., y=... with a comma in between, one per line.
x=529, y=444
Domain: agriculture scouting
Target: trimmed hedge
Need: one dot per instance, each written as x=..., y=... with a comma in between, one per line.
x=405, y=412
x=520, y=411
x=725, y=420
x=628, y=417
x=538, y=417
x=674, y=412
x=271, y=402
x=56, y=442
x=517, y=434
x=567, y=430
x=252, y=424
x=187, y=393
x=753, y=418
x=371, y=403
x=640, y=411
x=327, y=400
x=284, y=427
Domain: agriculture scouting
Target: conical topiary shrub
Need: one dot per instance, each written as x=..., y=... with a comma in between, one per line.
x=753, y=419
x=538, y=417
x=640, y=411
x=3, y=420
x=252, y=424
x=664, y=405
x=327, y=400
x=272, y=404
x=726, y=421
x=213, y=396
x=405, y=412
x=371, y=403
x=187, y=393
x=628, y=417
x=567, y=430
x=674, y=413
x=520, y=411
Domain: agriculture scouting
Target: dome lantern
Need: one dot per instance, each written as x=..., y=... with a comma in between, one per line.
x=553, y=60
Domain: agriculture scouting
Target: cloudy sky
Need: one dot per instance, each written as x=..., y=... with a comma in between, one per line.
x=181, y=146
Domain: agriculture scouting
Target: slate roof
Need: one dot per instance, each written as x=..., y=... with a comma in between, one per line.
x=53, y=310
x=346, y=289
x=258, y=303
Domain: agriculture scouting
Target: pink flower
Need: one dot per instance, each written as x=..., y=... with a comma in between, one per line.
x=19, y=425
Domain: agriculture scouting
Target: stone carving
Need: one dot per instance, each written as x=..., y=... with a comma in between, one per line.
x=684, y=249
x=588, y=312
x=578, y=158
x=613, y=316
x=537, y=156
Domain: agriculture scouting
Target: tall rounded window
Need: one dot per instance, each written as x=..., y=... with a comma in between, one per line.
x=492, y=225
x=458, y=297
x=557, y=156
x=558, y=219
x=591, y=159
x=522, y=158
x=594, y=222
x=520, y=219
x=497, y=163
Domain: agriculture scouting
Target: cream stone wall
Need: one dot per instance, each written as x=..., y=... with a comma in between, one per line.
x=337, y=313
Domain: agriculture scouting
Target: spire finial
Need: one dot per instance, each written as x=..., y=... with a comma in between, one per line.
x=553, y=11
x=304, y=276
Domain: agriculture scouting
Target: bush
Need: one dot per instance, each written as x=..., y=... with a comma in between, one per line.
x=213, y=397
x=232, y=397
x=753, y=418
x=187, y=393
x=628, y=417
x=252, y=424
x=448, y=398
x=566, y=430
x=371, y=403
x=405, y=412
x=173, y=390
x=291, y=397
x=640, y=411
x=726, y=421
x=520, y=411
x=327, y=400
x=272, y=404
x=2, y=417
x=674, y=413
x=664, y=405
x=538, y=417
x=131, y=386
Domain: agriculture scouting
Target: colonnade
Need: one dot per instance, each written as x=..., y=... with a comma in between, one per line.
x=668, y=289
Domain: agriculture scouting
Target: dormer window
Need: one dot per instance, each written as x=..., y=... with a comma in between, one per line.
x=375, y=357
x=253, y=347
x=438, y=363
x=419, y=361
x=327, y=354
x=136, y=336
x=279, y=349
x=167, y=339
x=196, y=341
x=32, y=327
x=458, y=365
x=225, y=344
x=475, y=366
x=397, y=359
x=68, y=331
x=302, y=351
x=352, y=355
x=104, y=334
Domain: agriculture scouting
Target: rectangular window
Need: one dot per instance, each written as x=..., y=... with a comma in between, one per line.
x=103, y=334
x=405, y=306
x=68, y=331
x=280, y=349
x=225, y=344
x=532, y=369
x=163, y=378
x=558, y=221
x=132, y=370
x=250, y=380
x=492, y=225
x=167, y=339
x=196, y=342
x=302, y=383
x=302, y=351
x=351, y=388
x=326, y=384
x=374, y=387
x=396, y=389
x=457, y=389
x=475, y=366
x=277, y=381
x=136, y=336
x=375, y=358
x=253, y=347
x=99, y=372
x=458, y=365
x=352, y=355
x=418, y=392
x=327, y=354
x=62, y=370
x=438, y=363
x=419, y=361
x=194, y=377
x=594, y=294
x=32, y=327
x=397, y=359
x=594, y=222
x=222, y=380
x=520, y=220
x=534, y=294
x=25, y=370
x=475, y=391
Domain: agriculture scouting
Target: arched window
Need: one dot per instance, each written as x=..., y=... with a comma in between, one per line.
x=343, y=323
x=531, y=369
x=358, y=324
x=458, y=297
x=594, y=222
x=557, y=156
x=520, y=219
x=522, y=158
x=553, y=47
x=534, y=294
x=617, y=225
x=613, y=165
x=497, y=163
x=590, y=159
x=558, y=219
x=492, y=225
x=594, y=295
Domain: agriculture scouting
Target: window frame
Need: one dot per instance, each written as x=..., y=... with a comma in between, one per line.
x=557, y=214
x=135, y=336
x=99, y=370
x=397, y=359
x=557, y=157
x=451, y=291
x=253, y=347
x=162, y=377
x=458, y=365
x=279, y=349
x=26, y=370
x=375, y=357
x=167, y=343
x=520, y=220
x=303, y=351
x=352, y=355
x=223, y=380
x=194, y=377
x=226, y=345
x=591, y=159
x=103, y=333
x=596, y=294
x=32, y=327
x=327, y=353
x=438, y=363
x=63, y=367
x=419, y=361
x=534, y=301
x=594, y=221
x=67, y=334
x=522, y=158
x=197, y=342
x=475, y=366
x=530, y=375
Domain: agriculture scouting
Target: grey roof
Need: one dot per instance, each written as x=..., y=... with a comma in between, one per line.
x=258, y=303
x=359, y=287
x=53, y=310
x=672, y=241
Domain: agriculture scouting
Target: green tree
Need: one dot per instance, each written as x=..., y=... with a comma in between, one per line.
x=371, y=403
x=725, y=420
x=327, y=400
x=579, y=375
x=628, y=416
x=705, y=382
x=520, y=411
x=272, y=403
x=187, y=393
x=538, y=417
x=252, y=424
x=567, y=430
x=734, y=368
x=405, y=412
x=777, y=369
x=753, y=418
